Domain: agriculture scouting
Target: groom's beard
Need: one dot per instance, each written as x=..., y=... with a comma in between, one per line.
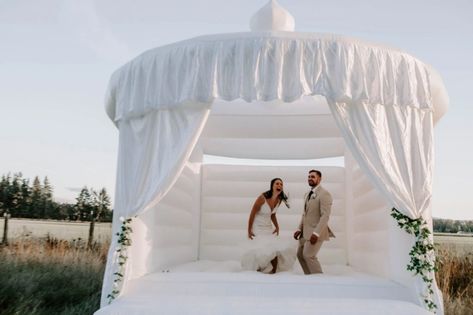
x=314, y=184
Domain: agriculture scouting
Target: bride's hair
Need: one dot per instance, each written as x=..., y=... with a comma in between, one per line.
x=282, y=196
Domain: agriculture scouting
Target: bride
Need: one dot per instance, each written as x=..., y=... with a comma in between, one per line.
x=265, y=251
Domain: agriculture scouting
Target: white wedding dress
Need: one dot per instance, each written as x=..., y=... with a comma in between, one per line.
x=265, y=246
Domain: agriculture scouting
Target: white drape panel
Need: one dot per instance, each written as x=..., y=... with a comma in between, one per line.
x=153, y=150
x=394, y=147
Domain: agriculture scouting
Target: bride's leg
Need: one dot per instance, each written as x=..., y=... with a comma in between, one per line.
x=274, y=263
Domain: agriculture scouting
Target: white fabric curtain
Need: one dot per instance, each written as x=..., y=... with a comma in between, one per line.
x=153, y=150
x=152, y=153
x=394, y=147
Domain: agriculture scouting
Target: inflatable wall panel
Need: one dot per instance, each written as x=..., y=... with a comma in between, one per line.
x=228, y=194
x=174, y=223
x=370, y=227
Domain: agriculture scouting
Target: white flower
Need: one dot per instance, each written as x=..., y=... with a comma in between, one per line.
x=122, y=219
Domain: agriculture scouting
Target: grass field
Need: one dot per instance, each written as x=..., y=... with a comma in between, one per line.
x=455, y=242
x=48, y=276
x=40, y=276
x=455, y=272
x=57, y=229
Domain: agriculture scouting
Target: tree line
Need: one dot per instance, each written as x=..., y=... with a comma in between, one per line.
x=452, y=226
x=22, y=199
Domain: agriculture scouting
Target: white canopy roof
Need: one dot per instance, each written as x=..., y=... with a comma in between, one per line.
x=267, y=66
x=260, y=81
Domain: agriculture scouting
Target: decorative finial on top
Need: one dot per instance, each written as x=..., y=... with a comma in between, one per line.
x=272, y=17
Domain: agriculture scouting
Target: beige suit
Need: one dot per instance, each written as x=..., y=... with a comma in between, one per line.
x=314, y=220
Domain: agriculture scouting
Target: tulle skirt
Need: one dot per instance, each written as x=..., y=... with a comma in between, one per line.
x=263, y=248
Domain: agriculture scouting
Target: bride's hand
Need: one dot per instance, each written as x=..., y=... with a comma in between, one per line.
x=276, y=231
x=251, y=234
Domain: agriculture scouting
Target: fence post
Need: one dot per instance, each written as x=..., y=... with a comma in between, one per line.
x=91, y=230
x=6, y=216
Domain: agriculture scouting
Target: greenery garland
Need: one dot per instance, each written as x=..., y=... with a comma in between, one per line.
x=422, y=253
x=124, y=241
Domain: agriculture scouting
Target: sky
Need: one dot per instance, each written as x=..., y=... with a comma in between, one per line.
x=56, y=57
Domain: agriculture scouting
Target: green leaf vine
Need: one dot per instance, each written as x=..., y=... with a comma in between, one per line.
x=422, y=254
x=124, y=241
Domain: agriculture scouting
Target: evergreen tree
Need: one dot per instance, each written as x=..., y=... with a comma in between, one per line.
x=15, y=195
x=21, y=199
x=101, y=204
x=25, y=205
x=7, y=198
x=452, y=226
x=4, y=188
x=84, y=205
x=47, y=199
x=65, y=211
x=36, y=202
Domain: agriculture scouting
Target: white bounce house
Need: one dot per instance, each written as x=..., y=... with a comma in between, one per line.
x=270, y=94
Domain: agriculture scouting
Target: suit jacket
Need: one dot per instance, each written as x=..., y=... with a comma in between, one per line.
x=316, y=214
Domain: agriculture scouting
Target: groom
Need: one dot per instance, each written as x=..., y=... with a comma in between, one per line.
x=313, y=229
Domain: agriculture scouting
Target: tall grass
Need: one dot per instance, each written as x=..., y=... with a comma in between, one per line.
x=455, y=278
x=48, y=276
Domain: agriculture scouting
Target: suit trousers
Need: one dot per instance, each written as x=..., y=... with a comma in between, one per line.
x=307, y=256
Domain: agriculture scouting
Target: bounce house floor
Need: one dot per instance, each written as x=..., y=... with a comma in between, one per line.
x=205, y=287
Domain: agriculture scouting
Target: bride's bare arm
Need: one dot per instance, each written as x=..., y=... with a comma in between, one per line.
x=256, y=207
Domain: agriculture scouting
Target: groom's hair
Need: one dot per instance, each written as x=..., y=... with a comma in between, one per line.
x=317, y=172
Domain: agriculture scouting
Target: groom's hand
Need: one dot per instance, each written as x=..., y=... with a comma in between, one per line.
x=313, y=239
x=297, y=235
